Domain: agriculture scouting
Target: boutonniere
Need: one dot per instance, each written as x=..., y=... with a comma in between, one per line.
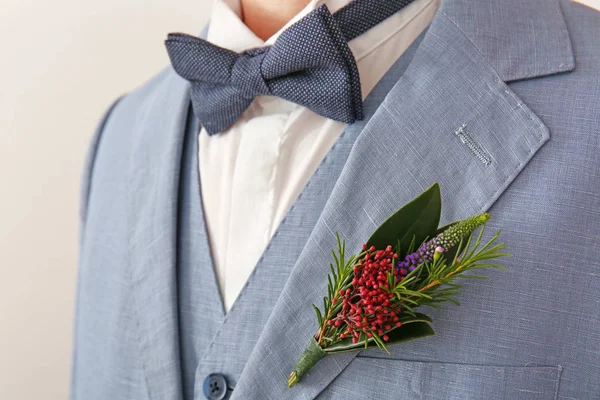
x=407, y=263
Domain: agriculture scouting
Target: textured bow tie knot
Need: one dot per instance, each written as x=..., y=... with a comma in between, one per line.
x=246, y=73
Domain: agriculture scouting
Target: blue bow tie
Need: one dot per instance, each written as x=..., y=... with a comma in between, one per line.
x=310, y=64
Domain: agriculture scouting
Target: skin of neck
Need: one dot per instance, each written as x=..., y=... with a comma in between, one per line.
x=266, y=17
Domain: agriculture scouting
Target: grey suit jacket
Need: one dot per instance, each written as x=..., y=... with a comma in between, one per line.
x=499, y=102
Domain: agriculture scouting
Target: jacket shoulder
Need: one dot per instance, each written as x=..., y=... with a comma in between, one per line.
x=113, y=132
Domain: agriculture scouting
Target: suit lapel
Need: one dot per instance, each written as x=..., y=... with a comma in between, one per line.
x=452, y=119
x=154, y=181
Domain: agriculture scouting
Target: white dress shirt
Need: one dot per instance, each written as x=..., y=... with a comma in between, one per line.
x=252, y=173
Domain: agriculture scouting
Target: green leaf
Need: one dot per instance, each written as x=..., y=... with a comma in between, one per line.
x=417, y=221
x=418, y=317
x=413, y=327
x=319, y=315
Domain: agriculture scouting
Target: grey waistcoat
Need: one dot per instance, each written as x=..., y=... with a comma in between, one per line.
x=498, y=102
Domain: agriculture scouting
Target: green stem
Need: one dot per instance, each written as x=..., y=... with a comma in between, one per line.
x=309, y=358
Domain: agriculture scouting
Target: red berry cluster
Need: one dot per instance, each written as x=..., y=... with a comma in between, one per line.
x=369, y=304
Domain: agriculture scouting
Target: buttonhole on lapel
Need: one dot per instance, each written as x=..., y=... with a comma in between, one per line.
x=475, y=148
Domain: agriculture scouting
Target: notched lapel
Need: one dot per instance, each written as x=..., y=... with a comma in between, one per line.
x=154, y=181
x=451, y=119
x=520, y=38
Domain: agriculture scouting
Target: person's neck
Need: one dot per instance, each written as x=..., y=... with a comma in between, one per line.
x=266, y=17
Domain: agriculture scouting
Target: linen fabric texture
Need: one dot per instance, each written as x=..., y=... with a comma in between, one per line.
x=521, y=76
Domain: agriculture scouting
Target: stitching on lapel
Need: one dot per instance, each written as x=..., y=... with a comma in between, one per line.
x=475, y=148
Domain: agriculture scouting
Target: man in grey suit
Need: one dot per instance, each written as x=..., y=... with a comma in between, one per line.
x=498, y=101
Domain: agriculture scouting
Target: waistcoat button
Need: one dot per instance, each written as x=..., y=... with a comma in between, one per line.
x=215, y=387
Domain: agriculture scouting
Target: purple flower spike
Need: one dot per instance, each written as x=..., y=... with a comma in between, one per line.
x=432, y=249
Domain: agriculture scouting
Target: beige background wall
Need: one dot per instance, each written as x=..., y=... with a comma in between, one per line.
x=63, y=62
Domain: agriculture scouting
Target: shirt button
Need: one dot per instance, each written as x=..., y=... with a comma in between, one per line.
x=215, y=387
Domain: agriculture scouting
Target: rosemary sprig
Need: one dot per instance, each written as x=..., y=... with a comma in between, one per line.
x=339, y=280
x=432, y=283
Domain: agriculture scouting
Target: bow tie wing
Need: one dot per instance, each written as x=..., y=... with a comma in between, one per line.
x=210, y=69
x=196, y=59
x=218, y=106
x=311, y=64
